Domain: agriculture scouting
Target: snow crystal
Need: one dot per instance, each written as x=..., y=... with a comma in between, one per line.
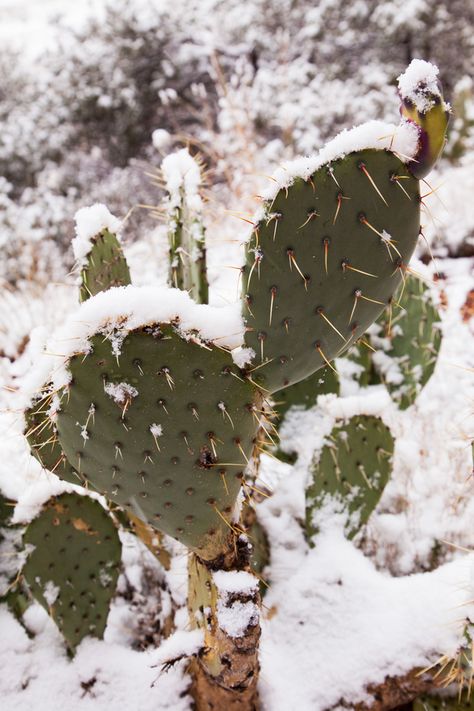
x=50, y=592
x=419, y=84
x=401, y=139
x=156, y=430
x=120, y=392
x=243, y=356
x=90, y=222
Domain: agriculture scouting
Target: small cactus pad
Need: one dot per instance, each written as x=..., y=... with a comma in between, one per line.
x=164, y=430
x=305, y=393
x=411, y=339
x=106, y=266
x=74, y=564
x=325, y=260
x=351, y=472
x=42, y=437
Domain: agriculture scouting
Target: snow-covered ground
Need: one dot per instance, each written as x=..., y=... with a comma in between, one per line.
x=337, y=617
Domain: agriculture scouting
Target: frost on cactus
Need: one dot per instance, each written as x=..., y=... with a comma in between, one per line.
x=402, y=348
x=350, y=473
x=73, y=564
x=98, y=251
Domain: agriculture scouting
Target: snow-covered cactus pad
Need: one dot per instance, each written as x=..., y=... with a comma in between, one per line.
x=350, y=473
x=165, y=430
x=187, y=238
x=98, y=251
x=325, y=259
x=73, y=566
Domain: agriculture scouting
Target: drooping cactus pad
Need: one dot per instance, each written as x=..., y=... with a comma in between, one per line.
x=351, y=472
x=73, y=567
x=165, y=429
x=325, y=260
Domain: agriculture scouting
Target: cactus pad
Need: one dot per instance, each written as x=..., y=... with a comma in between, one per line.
x=72, y=570
x=305, y=393
x=325, y=260
x=411, y=339
x=106, y=266
x=351, y=472
x=164, y=430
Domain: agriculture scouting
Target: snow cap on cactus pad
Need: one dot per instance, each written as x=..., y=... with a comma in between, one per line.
x=423, y=105
x=160, y=420
x=73, y=565
x=329, y=252
x=98, y=251
x=350, y=473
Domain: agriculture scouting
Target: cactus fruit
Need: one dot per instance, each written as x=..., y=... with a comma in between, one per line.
x=166, y=432
x=350, y=473
x=324, y=260
x=105, y=267
x=74, y=564
x=422, y=102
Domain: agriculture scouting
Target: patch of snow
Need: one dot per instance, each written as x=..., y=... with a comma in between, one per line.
x=156, y=430
x=120, y=392
x=235, y=582
x=50, y=592
x=419, y=84
x=181, y=644
x=90, y=222
x=182, y=177
x=160, y=139
x=401, y=139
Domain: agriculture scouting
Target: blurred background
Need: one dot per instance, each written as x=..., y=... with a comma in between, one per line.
x=94, y=94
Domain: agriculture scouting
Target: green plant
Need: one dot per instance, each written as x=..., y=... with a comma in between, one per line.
x=153, y=408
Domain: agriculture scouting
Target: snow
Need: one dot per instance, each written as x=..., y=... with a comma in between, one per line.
x=235, y=582
x=50, y=592
x=90, y=222
x=120, y=310
x=419, y=84
x=180, y=644
x=160, y=139
x=182, y=177
x=235, y=614
x=156, y=430
x=401, y=140
x=120, y=392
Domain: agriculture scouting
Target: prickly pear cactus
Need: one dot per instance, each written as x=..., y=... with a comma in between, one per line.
x=350, y=473
x=166, y=431
x=305, y=393
x=411, y=339
x=324, y=260
x=105, y=267
x=73, y=565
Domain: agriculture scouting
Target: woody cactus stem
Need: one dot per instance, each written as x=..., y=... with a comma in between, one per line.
x=226, y=605
x=182, y=176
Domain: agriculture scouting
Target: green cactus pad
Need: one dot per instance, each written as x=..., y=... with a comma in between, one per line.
x=438, y=703
x=412, y=343
x=42, y=437
x=73, y=568
x=172, y=442
x=305, y=393
x=304, y=301
x=106, y=266
x=360, y=354
x=351, y=472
